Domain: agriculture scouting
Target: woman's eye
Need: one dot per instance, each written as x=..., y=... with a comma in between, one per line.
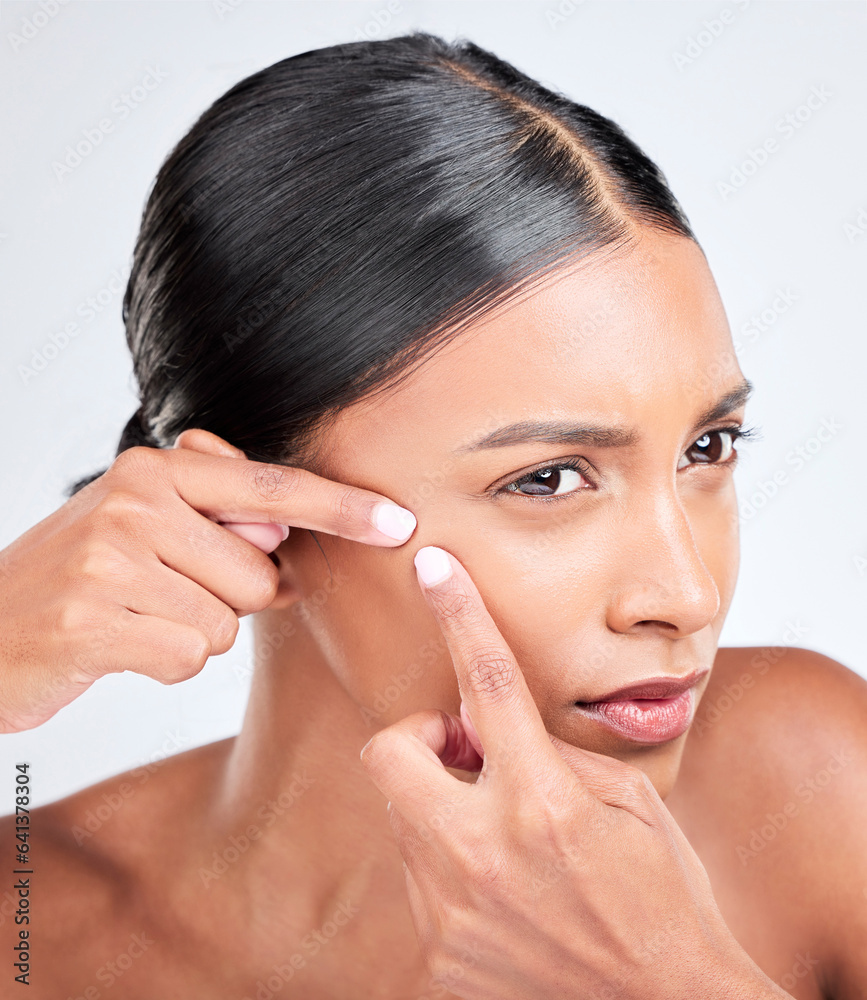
x=712, y=448
x=551, y=481
x=562, y=479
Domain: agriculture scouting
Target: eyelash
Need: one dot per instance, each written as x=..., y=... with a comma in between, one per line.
x=580, y=466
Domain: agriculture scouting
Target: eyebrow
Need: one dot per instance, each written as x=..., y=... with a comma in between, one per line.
x=559, y=432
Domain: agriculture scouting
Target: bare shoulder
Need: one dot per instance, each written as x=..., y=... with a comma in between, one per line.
x=64, y=898
x=799, y=707
x=780, y=736
x=135, y=813
x=761, y=687
x=95, y=866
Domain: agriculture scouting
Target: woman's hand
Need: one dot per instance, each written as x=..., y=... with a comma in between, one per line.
x=137, y=571
x=559, y=873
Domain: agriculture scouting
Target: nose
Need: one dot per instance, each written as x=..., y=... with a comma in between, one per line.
x=662, y=584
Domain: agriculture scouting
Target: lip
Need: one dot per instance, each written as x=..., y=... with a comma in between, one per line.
x=651, y=687
x=655, y=710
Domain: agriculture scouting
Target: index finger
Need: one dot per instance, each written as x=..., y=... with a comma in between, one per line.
x=240, y=490
x=492, y=685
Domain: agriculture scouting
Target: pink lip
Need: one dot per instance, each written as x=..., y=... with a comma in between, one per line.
x=651, y=711
x=651, y=687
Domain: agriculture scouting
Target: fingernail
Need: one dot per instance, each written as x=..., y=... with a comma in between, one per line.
x=285, y=529
x=394, y=521
x=433, y=565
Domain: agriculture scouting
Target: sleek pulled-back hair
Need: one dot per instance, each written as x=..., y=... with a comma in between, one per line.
x=334, y=217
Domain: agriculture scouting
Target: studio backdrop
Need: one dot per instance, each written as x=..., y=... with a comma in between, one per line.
x=754, y=111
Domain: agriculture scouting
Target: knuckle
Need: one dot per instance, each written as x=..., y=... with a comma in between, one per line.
x=256, y=580
x=190, y=657
x=491, y=672
x=224, y=632
x=76, y=615
x=456, y=922
x=541, y=819
x=118, y=509
x=453, y=605
x=345, y=507
x=443, y=955
x=455, y=929
x=638, y=782
x=272, y=484
x=263, y=581
x=440, y=963
x=380, y=748
x=133, y=460
x=102, y=561
x=637, y=792
x=126, y=460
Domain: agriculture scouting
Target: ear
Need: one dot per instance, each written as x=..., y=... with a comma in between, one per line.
x=267, y=537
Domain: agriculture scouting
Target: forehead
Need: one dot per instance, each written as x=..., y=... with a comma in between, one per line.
x=609, y=340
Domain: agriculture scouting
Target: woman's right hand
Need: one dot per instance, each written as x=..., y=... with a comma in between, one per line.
x=149, y=567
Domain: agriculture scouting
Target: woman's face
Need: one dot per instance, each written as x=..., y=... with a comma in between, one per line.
x=627, y=574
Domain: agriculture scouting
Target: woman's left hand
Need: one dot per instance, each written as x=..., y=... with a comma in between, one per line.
x=559, y=873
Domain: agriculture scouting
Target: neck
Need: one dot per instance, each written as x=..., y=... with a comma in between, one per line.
x=313, y=854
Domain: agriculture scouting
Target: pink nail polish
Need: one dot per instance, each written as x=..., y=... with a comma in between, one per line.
x=433, y=565
x=394, y=521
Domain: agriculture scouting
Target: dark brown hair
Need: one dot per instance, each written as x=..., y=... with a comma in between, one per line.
x=332, y=218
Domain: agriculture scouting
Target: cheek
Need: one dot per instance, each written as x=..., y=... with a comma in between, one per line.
x=548, y=581
x=544, y=582
x=375, y=631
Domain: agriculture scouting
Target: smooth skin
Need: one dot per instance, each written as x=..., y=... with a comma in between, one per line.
x=575, y=863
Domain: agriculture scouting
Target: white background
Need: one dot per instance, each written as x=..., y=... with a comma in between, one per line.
x=700, y=86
